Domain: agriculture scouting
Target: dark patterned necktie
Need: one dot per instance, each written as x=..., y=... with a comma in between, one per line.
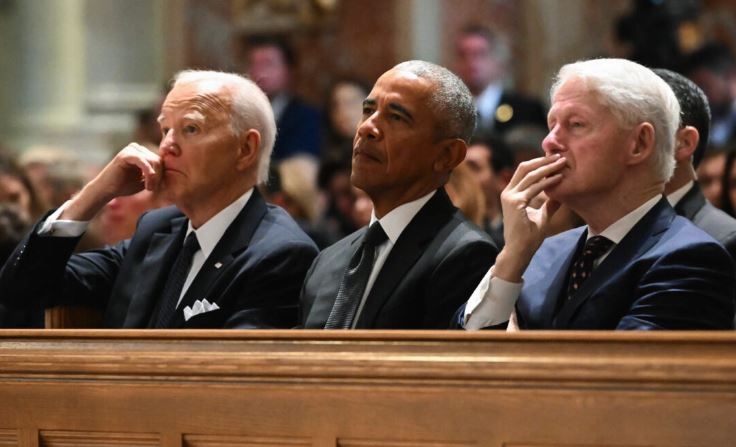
x=353, y=283
x=594, y=248
x=177, y=277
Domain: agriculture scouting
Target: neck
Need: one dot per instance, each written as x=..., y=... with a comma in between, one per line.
x=684, y=173
x=201, y=212
x=600, y=214
x=385, y=203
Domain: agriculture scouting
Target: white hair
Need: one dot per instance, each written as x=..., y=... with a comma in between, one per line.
x=251, y=109
x=634, y=94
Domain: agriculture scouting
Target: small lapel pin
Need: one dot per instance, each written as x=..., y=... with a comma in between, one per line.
x=218, y=265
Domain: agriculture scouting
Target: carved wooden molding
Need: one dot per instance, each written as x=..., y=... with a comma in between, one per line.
x=366, y=388
x=643, y=359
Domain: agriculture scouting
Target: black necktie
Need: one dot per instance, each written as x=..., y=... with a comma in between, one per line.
x=594, y=248
x=177, y=277
x=353, y=283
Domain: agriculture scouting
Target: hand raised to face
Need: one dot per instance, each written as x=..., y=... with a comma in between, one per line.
x=130, y=171
x=526, y=224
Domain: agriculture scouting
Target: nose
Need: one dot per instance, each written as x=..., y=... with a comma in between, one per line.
x=168, y=144
x=369, y=129
x=551, y=143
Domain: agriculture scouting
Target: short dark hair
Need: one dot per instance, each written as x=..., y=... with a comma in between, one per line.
x=501, y=156
x=450, y=99
x=694, y=109
x=280, y=44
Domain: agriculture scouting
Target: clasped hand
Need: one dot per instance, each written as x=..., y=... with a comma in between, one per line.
x=130, y=171
x=526, y=224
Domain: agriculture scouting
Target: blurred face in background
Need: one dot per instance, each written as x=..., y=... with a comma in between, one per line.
x=478, y=160
x=717, y=88
x=13, y=191
x=120, y=216
x=362, y=208
x=346, y=108
x=710, y=173
x=475, y=62
x=268, y=68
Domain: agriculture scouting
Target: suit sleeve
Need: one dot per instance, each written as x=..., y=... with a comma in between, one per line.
x=691, y=288
x=42, y=272
x=454, y=280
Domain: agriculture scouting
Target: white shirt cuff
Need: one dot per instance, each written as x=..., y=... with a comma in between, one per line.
x=491, y=303
x=52, y=226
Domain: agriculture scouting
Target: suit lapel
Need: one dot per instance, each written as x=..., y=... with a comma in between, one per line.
x=640, y=239
x=691, y=203
x=408, y=248
x=235, y=239
x=558, y=286
x=162, y=251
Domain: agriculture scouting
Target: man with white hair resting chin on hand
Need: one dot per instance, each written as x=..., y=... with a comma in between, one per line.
x=220, y=258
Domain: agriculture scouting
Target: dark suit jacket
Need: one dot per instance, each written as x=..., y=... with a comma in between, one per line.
x=254, y=273
x=525, y=110
x=665, y=274
x=433, y=267
x=299, y=131
x=710, y=219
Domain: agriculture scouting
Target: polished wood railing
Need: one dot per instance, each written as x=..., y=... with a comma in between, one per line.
x=360, y=388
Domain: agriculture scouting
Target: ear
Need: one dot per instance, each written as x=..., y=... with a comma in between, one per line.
x=686, y=140
x=642, y=145
x=248, y=150
x=451, y=153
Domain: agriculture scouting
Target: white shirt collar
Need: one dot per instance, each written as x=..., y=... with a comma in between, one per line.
x=278, y=104
x=675, y=196
x=488, y=100
x=617, y=230
x=209, y=234
x=398, y=218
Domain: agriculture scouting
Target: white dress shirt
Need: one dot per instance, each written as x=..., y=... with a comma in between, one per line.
x=208, y=235
x=393, y=224
x=494, y=299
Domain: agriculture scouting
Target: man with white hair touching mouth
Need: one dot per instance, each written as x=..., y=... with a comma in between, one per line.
x=220, y=258
x=635, y=264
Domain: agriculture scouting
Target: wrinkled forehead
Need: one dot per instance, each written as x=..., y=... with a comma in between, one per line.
x=201, y=99
x=576, y=92
x=402, y=86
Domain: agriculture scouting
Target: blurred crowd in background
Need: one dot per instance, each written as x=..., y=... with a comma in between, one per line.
x=310, y=175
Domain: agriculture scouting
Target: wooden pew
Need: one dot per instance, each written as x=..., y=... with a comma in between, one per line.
x=63, y=388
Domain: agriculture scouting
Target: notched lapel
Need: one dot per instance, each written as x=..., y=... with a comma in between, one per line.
x=410, y=246
x=691, y=203
x=235, y=240
x=162, y=250
x=558, y=285
x=639, y=240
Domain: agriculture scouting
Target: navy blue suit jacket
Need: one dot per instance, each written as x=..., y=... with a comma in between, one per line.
x=665, y=274
x=433, y=267
x=524, y=110
x=254, y=273
x=299, y=131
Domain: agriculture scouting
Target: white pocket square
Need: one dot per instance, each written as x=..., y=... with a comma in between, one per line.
x=199, y=307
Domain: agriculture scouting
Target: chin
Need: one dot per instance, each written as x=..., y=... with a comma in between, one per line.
x=556, y=193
